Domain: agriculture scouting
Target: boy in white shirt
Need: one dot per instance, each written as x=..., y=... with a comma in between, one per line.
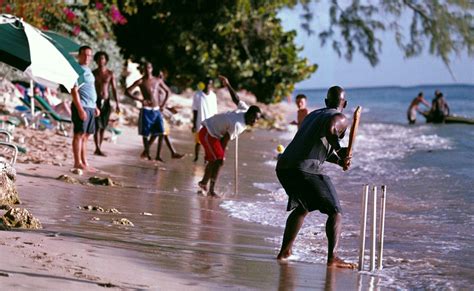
x=204, y=107
x=218, y=130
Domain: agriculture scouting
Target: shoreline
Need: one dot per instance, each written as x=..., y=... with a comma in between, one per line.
x=221, y=253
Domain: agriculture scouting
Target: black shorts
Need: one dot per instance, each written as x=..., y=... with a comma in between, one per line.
x=83, y=126
x=102, y=120
x=311, y=191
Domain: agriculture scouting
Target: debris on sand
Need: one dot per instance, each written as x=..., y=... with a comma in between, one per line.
x=92, y=208
x=19, y=218
x=68, y=179
x=122, y=221
x=107, y=181
x=100, y=209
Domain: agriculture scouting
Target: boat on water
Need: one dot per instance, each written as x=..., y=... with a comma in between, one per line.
x=450, y=118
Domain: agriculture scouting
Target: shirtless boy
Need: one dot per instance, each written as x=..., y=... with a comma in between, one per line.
x=302, y=110
x=150, y=121
x=104, y=80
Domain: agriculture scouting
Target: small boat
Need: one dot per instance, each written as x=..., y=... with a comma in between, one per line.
x=451, y=118
x=458, y=119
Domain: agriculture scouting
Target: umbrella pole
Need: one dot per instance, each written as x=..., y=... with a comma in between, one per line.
x=236, y=166
x=32, y=102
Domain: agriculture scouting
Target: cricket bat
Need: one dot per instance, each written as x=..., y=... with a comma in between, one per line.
x=352, y=135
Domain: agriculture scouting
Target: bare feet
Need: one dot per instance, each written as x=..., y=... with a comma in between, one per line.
x=159, y=159
x=202, y=185
x=99, y=153
x=145, y=155
x=79, y=166
x=340, y=263
x=283, y=255
x=177, y=156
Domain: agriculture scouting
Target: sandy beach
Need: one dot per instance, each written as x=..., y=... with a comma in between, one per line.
x=194, y=244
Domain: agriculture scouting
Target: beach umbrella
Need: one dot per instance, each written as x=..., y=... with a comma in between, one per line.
x=65, y=42
x=44, y=60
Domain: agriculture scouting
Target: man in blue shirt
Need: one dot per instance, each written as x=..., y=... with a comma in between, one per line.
x=83, y=111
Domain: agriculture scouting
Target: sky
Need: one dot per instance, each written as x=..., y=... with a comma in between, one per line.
x=393, y=68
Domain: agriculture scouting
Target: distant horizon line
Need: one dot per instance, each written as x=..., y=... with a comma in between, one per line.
x=392, y=86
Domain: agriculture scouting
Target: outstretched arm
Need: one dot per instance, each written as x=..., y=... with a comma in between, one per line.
x=425, y=102
x=225, y=82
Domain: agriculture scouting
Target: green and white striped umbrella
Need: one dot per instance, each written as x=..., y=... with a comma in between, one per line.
x=45, y=61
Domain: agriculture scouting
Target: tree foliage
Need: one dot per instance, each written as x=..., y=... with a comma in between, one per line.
x=445, y=25
x=244, y=39
x=197, y=39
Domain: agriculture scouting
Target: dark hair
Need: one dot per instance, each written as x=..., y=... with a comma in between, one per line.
x=334, y=96
x=99, y=54
x=301, y=96
x=143, y=65
x=254, y=109
x=83, y=48
x=420, y=94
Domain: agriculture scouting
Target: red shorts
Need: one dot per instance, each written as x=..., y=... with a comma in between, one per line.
x=212, y=146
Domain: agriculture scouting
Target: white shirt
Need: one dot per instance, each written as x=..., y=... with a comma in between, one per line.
x=205, y=105
x=231, y=122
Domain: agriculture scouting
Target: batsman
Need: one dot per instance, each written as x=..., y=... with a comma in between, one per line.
x=300, y=172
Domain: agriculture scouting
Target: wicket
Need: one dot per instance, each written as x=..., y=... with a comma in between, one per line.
x=365, y=200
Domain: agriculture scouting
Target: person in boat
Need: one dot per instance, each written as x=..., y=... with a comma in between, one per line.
x=439, y=109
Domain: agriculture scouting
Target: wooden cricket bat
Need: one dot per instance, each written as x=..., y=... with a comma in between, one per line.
x=352, y=135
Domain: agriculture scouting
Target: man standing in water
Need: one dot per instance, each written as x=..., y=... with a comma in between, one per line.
x=104, y=79
x=216, y=132
x=150, y=121
x=413, y=108
x=83, y=110
x=299, y=170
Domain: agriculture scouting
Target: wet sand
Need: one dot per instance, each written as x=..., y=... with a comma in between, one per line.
x=188, y=241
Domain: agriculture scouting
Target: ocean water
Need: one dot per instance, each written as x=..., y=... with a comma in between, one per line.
x=429, y=221
x=428, y=170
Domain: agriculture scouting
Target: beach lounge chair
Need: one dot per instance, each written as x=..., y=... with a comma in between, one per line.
x=27, y=104
x=46, y=108
x=50, y=111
